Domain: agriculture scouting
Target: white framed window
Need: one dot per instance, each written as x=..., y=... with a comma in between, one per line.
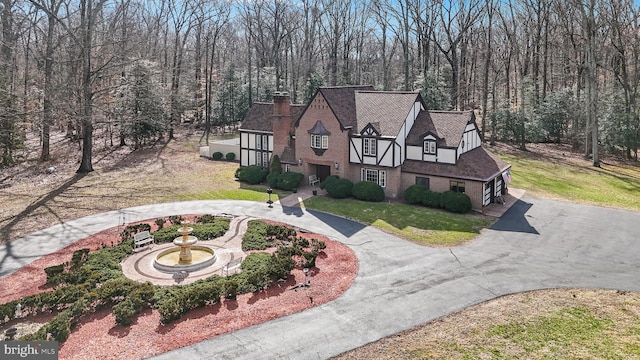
x=259, y=158
x=265, y=159
x=265, y=142
x=258, y=142
x=429, y=147
x=369, y=146
x=377, y=176
x=320, y=141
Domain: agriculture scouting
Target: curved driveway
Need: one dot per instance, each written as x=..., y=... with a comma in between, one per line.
x=537, y=244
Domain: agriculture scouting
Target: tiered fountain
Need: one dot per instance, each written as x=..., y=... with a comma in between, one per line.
x=186, y=256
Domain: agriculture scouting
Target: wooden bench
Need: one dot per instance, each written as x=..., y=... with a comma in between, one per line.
x=142, y=238
x=313, y=180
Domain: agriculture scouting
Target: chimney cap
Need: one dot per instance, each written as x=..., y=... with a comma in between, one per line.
x=280, y=93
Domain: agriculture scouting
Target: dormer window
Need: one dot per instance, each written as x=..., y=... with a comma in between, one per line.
x=320, y=141
x=319, y=138
x=430, y=147
x=369, y=146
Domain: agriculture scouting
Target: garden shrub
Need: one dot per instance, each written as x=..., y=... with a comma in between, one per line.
x=205, y=219
x=53, y=273
x=415, y=194
x=255, y=237
x=79, y=257
x=206, y=231
x=160, y=222
x=176, y=219
x=339, y=188
x=289, y=180
x=432, y=199
x=455, y=202
x=217, y=155
x=252, y=174
x=254, y=275
x=368, y=191
x=210, y=231
x=174, y=302
x=272, y=180
x=275, y=167
x=328, y=180
x=230, y=288
x=230, y=156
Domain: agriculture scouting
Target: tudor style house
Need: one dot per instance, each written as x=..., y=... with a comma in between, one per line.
x=389, y=138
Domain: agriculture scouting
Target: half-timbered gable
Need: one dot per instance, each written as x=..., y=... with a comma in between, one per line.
x=389, y=138
x=382, y=120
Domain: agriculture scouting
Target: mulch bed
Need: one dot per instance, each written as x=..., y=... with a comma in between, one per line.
x=98, y=337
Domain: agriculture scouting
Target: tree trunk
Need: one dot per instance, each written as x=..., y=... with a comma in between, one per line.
x=86, y=25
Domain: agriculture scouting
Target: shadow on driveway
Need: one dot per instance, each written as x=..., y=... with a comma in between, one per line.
x=515, y=219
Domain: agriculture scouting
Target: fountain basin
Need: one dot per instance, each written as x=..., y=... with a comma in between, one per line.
x=169, y=260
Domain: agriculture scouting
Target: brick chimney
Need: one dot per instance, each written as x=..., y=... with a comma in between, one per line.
x=281, y=122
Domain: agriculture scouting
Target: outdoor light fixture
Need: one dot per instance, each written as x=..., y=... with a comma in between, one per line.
x=269, y=191
x=336, y=165
x=300, y=161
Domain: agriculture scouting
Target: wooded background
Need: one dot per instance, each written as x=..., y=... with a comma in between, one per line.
x=534, y=71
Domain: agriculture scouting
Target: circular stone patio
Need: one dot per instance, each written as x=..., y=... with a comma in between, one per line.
x=228, y=252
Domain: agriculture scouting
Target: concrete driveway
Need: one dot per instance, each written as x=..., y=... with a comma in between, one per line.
x=537, y=244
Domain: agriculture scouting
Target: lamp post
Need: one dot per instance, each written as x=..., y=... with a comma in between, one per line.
x=269, y=191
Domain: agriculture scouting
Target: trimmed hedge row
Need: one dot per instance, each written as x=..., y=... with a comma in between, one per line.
x=204, y=231
x=450, y=200
x=252, y=174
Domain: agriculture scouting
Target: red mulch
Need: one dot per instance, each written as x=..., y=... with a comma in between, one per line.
x=98, y=337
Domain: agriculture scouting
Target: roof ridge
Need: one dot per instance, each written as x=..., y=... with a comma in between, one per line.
x=388, y=92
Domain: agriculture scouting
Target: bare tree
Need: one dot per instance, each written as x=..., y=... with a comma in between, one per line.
x=454, y=19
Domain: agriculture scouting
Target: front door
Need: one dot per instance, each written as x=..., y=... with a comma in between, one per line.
x=322, y=171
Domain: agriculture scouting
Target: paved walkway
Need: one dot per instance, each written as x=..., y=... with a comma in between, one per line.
x=537, y=244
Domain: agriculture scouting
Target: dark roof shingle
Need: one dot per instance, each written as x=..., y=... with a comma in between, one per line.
x=342, y=102
x=259, y=116
x=386, y=111
x=477, y=164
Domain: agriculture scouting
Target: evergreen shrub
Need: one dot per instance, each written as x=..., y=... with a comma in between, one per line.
x=252, y=174
x=455, y=202
x=368, y=191
x=339, y=188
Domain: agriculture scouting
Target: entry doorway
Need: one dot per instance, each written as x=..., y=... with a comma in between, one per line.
x=322, y=171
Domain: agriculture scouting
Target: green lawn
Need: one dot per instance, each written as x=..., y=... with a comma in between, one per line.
x=611, y=185
x=422, y=225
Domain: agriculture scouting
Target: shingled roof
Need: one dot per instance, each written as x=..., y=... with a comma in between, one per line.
x=477, y=165
x=386, y=111
x=421, y=126
x=342, y=101
x=448, y=126
x=259, y=116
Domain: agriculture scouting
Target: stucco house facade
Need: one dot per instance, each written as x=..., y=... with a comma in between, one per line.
x=386, y=137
